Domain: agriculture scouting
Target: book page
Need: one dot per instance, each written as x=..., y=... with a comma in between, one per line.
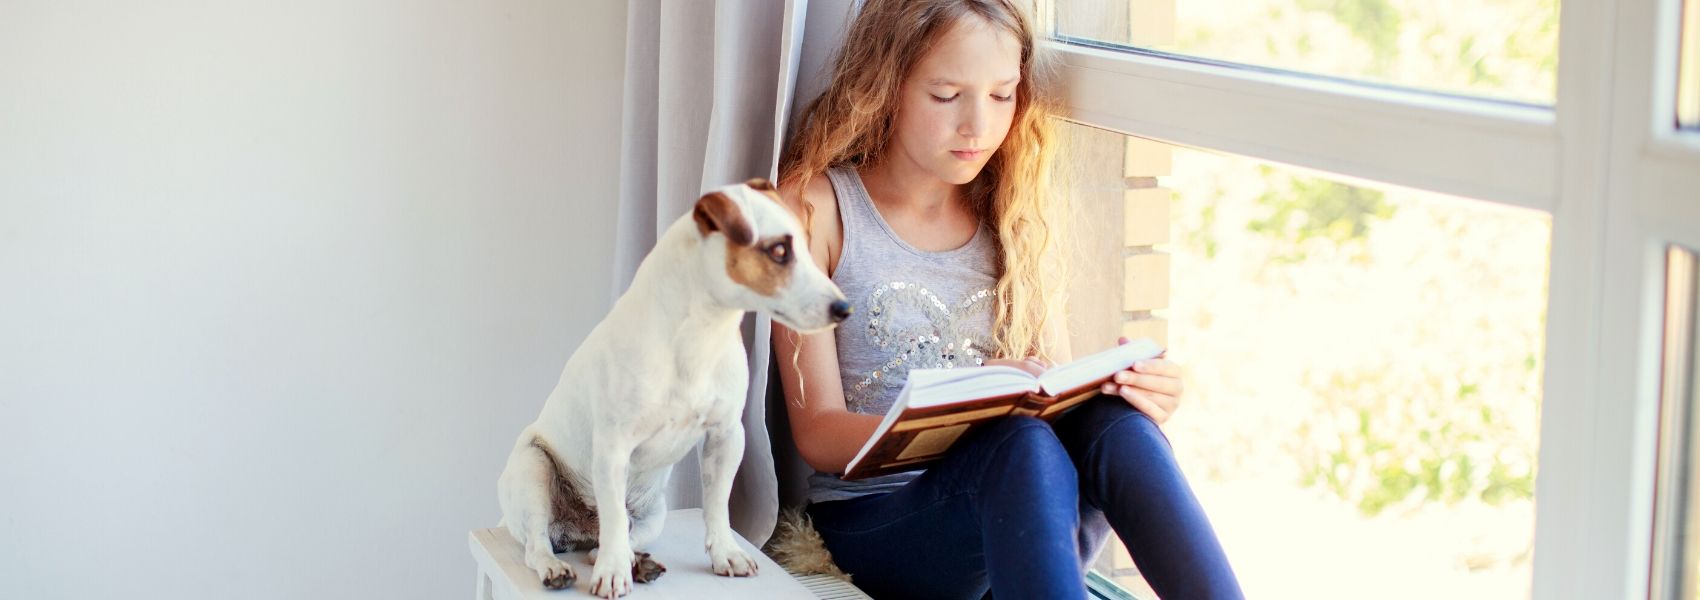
x=1095, y=366
x=938, y=387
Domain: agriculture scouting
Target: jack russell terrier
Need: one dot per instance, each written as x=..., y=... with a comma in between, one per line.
x=665, y=369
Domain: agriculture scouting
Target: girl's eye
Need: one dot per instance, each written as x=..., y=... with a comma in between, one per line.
x=1003, y=98
x=943, y=100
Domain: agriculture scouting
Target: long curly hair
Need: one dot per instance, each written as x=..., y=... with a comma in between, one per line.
x=851, y=122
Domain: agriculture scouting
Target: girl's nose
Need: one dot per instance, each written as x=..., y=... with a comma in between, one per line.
x=973, y=123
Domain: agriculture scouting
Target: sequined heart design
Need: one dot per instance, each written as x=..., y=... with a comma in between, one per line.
x=941, y=338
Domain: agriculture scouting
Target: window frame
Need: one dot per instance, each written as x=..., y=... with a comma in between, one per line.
x=1672, y=557
x=1607, y=162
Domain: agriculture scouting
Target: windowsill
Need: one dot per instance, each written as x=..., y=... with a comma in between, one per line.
x=1102, y=588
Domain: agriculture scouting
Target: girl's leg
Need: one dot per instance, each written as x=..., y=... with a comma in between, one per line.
x=1129, y=479
x=1000, y=510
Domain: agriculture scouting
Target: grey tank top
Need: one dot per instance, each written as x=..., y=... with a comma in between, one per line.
x=912, y=309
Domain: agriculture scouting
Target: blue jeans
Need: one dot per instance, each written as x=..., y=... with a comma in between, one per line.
x=1022, y=507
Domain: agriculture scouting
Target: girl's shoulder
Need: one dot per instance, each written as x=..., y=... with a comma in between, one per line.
x=826, y=233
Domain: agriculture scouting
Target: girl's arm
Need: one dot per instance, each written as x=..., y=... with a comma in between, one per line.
x=826, y=433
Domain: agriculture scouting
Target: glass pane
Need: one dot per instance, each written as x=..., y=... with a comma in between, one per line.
x=1505, y=49
x=1364, y=366
x=1676, y=559
x=1688, y=86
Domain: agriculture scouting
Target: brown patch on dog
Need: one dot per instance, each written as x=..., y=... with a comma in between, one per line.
x=718, y=212
x=645, y=569
x=575, y=523
x=560, y=581
x=766, y=188
x=750, y=267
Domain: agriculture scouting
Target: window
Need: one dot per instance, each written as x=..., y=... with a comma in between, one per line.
x=1504, y=49
x=1365, y=363
x=1589, y=149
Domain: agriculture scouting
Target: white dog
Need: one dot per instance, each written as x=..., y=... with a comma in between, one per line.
x=665, y=369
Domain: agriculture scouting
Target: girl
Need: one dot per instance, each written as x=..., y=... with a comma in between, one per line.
x=920, y=174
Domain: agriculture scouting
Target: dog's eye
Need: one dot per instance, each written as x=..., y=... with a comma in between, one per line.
x=780, y=252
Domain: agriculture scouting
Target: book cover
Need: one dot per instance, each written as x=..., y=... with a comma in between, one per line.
x=937, y=407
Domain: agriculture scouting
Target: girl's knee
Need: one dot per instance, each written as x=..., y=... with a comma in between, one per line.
x=1105, y=407
x=1029, y=440
x=1112, y=416
x=1023, y=433
x=1019, y=423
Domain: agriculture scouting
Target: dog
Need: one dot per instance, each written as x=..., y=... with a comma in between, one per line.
x=663, y=370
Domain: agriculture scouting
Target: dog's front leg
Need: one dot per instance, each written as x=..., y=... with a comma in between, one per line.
x=612, y=573
x=722, y=450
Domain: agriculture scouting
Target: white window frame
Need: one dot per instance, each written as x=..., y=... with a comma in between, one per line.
x=1606, y=162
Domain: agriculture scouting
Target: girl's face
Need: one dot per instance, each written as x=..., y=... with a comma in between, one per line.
x=956, y=105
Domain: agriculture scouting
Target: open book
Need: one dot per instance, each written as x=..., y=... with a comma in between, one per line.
x=939, y=406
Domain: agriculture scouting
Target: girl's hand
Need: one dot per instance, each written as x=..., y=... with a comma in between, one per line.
x=1031, y=364
x=1152, y=386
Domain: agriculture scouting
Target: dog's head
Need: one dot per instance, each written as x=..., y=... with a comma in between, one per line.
x=757, y=257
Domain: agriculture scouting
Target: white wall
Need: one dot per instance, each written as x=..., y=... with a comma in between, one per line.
x=281, y=281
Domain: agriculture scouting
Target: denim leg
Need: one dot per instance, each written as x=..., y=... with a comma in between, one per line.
x=1000, y=511
x=1129, y=481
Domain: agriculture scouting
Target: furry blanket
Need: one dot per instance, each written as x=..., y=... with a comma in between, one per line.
x=798, y=548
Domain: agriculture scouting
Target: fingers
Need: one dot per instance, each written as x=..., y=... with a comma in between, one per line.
x=1162, y=384
x=1158, y=366
x=1157, y=406
x=1030, y=366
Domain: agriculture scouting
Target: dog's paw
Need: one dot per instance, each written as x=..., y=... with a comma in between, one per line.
x=645, y=569
x=728, y=559
x=611, y=577
x=554, y=573
x=557, y=576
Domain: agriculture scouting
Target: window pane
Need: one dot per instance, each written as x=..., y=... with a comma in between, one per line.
x=1363, y=366
x=1688, y=86
x=1505, y=49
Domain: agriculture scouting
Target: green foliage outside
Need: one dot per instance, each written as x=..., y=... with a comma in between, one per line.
x=1311, y=210
x=1387, y=444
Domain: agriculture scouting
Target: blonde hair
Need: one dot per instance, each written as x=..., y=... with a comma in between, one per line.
x=851, y=121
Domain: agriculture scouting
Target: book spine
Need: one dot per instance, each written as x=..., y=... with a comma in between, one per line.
x=1031, y=404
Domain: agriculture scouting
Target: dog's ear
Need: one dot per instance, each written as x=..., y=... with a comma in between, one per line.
x=760, y=184
x=718, y=212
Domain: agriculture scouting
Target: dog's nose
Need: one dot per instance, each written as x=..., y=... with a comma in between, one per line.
x=840, y=310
